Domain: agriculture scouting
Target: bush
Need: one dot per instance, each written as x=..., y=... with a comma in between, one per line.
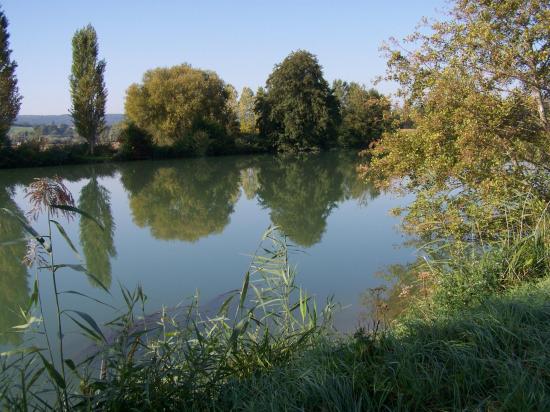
x=135, y=143
x=31, y=154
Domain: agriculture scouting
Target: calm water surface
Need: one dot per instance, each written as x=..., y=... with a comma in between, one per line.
x=181, y=226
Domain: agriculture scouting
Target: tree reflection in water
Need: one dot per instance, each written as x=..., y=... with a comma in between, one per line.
x=186, y=200
x=193, y=198
x=97, y=243
x=14, y=288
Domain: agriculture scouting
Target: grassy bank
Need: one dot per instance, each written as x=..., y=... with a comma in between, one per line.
x=475, y=338
x=491, y=356
x=31, y=155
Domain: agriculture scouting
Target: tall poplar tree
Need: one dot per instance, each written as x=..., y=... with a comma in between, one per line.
x=88, y=91
x=247, y=117
x=10, y=100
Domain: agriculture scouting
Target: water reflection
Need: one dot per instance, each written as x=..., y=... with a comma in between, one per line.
x=191, y=199
x=250, y=181
x=14, y=289
x=405, y=285
x=353, y=187
x=97, y=243
x=185, y=200
x=300, y=193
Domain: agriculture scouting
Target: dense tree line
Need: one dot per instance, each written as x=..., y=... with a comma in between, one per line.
x=194, y=111
x=296, y=111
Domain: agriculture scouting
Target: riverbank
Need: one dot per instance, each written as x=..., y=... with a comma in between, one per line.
x=31, y=155
x=489, y=356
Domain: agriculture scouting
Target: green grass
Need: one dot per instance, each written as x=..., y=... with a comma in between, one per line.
x=493, y=356
x=16, y=130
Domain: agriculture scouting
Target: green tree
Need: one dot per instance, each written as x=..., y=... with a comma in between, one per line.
x=298, y=111
x=182, y=105
x=503, y=43
x=340, y=89
x=135, y=143
x=365, y=114
x=88, y=92
x=10, y=100
x=97, y=243
x=247, y=117
x=473, y=84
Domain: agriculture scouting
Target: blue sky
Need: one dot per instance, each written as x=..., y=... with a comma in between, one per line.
x=241, y=40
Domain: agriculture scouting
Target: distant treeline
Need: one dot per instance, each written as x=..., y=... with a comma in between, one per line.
x=184, y=111
x=30, y=120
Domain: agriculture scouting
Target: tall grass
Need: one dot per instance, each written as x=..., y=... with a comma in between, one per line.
x=189, y=359
x=489, y=357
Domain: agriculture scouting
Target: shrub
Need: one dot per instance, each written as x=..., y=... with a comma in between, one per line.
x=135, y=143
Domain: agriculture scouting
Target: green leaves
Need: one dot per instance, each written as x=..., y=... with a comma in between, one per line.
x=66, y=237
x=89, y=327
x=79, y=211
x=88, y=91
x=244, y=290
x=54, y=374
x=29, y=229
x=10, y=99
x=298, y=110
x=205, y=116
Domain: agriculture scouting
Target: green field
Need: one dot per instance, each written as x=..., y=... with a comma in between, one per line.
x=15, y=130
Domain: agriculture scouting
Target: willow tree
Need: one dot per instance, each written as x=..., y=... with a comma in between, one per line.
x=10, y=100
x=88, y=91
x=183, y=105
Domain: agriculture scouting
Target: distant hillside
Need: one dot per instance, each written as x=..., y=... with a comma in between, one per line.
x=35, y=120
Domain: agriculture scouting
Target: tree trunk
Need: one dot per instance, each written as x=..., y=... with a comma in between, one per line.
x=543, y=115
